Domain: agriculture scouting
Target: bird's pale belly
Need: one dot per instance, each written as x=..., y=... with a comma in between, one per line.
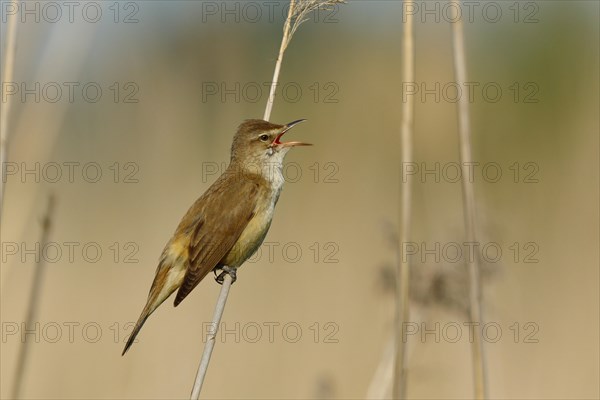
x=250, y=239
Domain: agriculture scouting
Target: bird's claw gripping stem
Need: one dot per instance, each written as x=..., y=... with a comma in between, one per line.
x=225, y=270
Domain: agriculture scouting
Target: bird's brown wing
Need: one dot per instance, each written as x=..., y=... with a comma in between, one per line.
x=216, y=221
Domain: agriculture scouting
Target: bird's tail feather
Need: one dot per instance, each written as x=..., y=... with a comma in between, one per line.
x=155, y=299
x=167, y=280
x=136, y=330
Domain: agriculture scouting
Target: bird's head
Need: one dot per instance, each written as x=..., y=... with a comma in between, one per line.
x=258, y=143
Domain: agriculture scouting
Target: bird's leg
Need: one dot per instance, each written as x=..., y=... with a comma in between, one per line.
x=225, y=270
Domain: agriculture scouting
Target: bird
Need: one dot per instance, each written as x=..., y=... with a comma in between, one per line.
x=228, y=223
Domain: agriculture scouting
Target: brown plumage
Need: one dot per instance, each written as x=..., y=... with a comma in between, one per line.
x=228, y=223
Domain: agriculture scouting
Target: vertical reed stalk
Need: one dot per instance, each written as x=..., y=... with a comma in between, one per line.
x=210, y=342
x=7, y=76
x=34, y=301
x=406, y=140
x=466, y=158
x=284, y=43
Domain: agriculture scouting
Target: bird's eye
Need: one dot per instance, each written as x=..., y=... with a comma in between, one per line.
x=264, y=138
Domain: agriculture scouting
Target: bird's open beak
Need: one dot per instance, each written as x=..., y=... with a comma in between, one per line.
x=279, y=143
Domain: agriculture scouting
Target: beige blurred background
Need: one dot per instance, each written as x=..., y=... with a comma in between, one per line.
x=339, y=209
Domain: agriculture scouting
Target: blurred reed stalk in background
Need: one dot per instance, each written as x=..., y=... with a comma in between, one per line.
x=297, y=14
x=403, y=265
x=34, y=300
x=53, y=124
x=466, y=158
x=10, y=48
